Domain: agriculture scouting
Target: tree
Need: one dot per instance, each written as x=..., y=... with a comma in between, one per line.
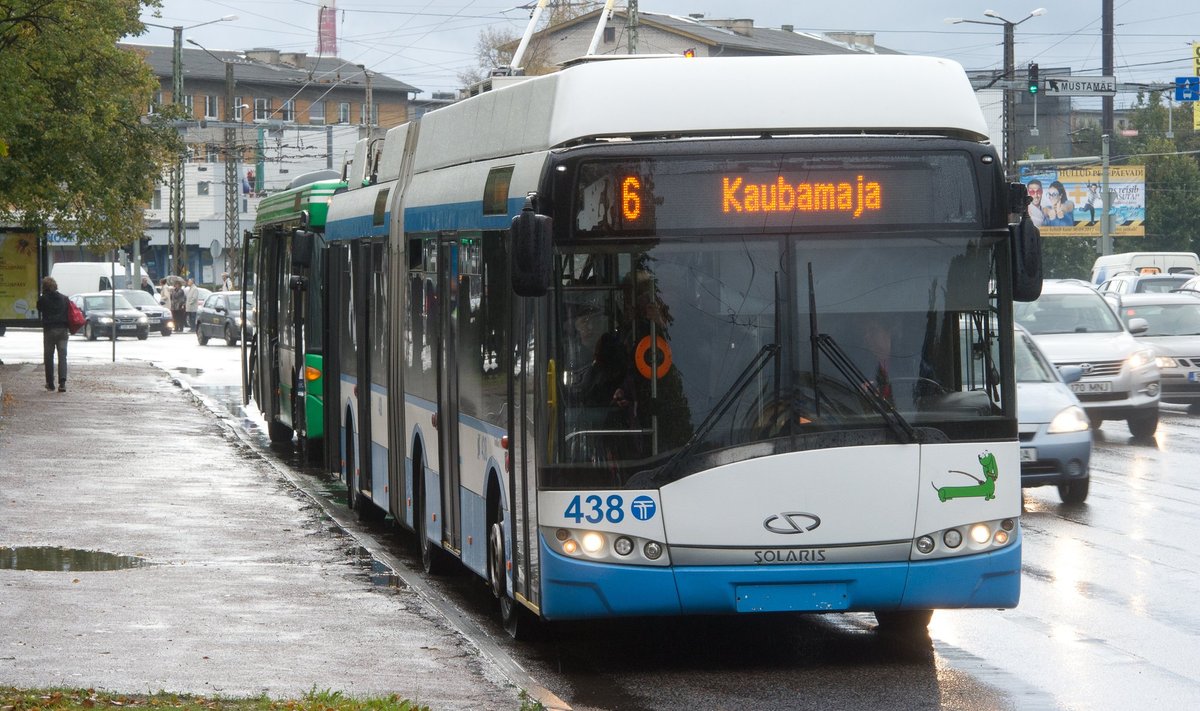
x=76, y=149
x=496, y=45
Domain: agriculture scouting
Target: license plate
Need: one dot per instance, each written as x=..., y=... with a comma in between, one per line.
x=1194, y=376
x=1102, y=386
x=127, y=328
x=1028, y=454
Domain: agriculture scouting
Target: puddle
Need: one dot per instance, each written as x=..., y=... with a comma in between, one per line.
x=189, y=371
x=65, y=559
x=377, y=571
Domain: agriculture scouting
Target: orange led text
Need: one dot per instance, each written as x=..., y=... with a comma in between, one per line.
x=783, y=196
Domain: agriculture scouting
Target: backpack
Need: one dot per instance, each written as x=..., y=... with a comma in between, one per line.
x=75, y=319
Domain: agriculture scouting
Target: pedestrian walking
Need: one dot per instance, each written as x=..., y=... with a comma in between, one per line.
x=192, y=293
x=147, y=285
x=53, y=308
x=226, y=282
x=178, y=307
x=164, y=292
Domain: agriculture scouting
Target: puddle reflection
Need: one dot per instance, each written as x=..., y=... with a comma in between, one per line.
x=50, y=558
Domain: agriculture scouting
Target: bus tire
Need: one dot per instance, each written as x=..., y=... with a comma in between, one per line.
x=279, y=432
x=903, y=622
x=517, y=622
x=434, y=560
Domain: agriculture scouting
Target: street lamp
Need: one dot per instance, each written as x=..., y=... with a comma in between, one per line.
x=1010, y=102
x=176, y=220
x=231, y=211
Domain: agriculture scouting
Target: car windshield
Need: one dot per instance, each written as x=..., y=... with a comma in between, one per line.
x=105, y=302
x=1160, y=285
x=1166, y=319
x=1032, y=367
x=139, y=298
x=1067, y=313
x=235, y=301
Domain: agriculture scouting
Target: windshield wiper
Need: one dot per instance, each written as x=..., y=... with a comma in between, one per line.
x=852, y=374
x=752, y=369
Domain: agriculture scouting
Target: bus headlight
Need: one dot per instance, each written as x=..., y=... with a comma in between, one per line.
x=968, y=539
x=593, y=542
x=653, y=550
x=623, y=546
x=980, y=533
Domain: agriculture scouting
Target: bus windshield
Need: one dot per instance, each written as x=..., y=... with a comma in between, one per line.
x=773, y=342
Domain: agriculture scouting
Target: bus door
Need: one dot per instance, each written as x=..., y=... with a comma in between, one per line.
x=363, y=256
x=447, y=346
x=527, y=400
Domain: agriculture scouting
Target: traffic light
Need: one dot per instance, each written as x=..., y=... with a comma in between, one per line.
x=1033, y=78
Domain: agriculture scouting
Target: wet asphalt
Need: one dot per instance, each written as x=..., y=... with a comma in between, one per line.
x=144, y=547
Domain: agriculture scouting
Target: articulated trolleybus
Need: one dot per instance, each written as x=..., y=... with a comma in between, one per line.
x=286, y=371
x=664, y=336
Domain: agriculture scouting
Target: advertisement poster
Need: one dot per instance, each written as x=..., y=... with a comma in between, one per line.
x=1067, y=201
x=18, y=276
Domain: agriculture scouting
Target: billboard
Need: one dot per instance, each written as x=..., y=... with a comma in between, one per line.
x=1067, y=201
x=19, y=284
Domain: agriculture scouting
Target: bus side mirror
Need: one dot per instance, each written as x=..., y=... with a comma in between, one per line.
x=302, y=248
x=532, y=258
x=1026, y=243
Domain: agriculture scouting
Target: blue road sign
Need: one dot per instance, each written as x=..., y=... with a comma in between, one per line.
x=1187, y=88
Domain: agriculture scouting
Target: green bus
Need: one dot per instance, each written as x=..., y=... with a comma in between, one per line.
x=285, y=363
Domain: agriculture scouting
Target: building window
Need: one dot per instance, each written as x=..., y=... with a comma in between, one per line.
x=237, y=108
x=262, y=109
x=316, y=112
x=156, y=199
x=344, y=112
x=189, y=103
x=288, y=111
x=211, y=152
x=211, y=111
x=374, y=115
x=610, y=35
x=155, y=103
x=202, y=187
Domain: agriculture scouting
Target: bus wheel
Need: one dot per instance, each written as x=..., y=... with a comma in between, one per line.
x=903, y=622
x=515, y=620
x=279, y=432
x=433, y=558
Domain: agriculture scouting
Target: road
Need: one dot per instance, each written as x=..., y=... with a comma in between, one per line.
x=1107, y=620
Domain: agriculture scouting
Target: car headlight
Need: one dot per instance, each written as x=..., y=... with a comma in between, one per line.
x=237, y=320
x=143, y=319
x=1165, y=362
x=105, y=320
x=1072, y=419
x=1141, y=359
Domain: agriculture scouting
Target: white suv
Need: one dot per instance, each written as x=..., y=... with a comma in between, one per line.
x=1074, y=325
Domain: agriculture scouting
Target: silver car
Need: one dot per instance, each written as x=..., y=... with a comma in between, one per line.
x=1074, y=325
x=1055, y=432
x=1174, y=332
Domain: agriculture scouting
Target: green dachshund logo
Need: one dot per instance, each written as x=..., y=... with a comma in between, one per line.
x=986, y=487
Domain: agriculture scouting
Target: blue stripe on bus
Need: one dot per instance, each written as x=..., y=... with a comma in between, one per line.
x=458, y=216
x=357, y=227
x=575, y=589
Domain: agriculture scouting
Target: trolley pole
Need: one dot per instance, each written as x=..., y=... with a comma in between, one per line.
x=232, y=265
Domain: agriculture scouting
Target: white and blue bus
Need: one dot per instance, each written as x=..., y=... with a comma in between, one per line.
x=664, y=336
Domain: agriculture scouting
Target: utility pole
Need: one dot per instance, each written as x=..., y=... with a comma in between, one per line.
x=633, y=26
x=1106, y=58
x=231, y=182
x=1105, y=219
x=177, y=226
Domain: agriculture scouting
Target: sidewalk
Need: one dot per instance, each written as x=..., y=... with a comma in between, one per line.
x=246, y=588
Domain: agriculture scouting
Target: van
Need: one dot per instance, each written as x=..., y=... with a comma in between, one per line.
x=1110, y=265
x=79, y=277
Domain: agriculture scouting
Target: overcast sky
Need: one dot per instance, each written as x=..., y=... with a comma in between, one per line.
x=428, y=43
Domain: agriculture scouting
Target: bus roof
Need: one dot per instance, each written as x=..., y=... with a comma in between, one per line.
x=717, y=96
x=286, y=206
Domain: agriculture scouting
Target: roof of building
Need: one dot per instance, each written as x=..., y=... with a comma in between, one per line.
x=743, y=36
x=268, y=66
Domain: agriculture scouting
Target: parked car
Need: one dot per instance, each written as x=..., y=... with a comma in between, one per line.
x=1174, y=332
x=107, y=313
x=220, y=316
x=1055, y=432
x=1074, y=325
x=160, y=316
x=1133, y=283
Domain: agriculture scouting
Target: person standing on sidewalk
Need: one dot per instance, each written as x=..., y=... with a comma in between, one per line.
x=178, y=307
x=192, y=292
x=53, y=307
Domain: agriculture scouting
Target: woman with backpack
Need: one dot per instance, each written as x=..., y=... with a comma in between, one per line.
x=53, y=309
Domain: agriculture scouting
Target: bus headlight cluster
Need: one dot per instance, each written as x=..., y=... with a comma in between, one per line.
x=601, y=547
x=971, y=538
